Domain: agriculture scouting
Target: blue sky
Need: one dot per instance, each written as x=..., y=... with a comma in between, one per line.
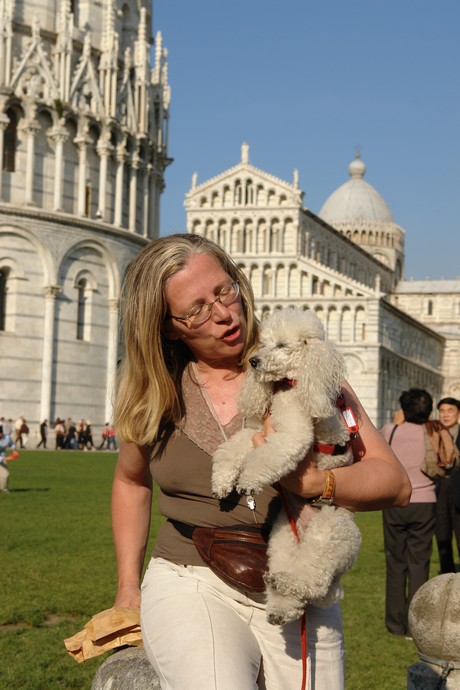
x=304, y=82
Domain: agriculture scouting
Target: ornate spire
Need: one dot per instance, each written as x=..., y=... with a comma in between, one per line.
x=245, y=153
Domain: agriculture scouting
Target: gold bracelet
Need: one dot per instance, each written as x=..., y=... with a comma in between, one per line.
x=327, y=497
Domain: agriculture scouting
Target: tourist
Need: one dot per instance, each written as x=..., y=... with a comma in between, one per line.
x=188, y=315
x=448, y=491
x=6, y=443
x=43, y=433
x=408, y=530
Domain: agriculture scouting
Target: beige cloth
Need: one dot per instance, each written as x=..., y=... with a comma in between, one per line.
x=106, y=630
x=440, y=449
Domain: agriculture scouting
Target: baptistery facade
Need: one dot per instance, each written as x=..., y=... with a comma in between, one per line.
x=345, y=263
x=84, y=107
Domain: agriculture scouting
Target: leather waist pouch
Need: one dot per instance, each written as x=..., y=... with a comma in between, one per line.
x=237, y=554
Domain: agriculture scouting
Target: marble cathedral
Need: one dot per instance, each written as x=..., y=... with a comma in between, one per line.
x=346, y=263
x=84, y=103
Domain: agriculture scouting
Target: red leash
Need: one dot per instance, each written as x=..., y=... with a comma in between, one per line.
x=303, y=619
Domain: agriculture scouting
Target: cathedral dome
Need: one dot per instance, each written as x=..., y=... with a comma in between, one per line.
x=356, y=201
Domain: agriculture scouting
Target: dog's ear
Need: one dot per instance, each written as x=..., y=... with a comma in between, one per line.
x=255, y=397
x=321, y=372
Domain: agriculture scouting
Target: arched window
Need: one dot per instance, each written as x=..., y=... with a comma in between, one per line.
x=74, y=9
x=81, y=308
x=430, y=308
x=10, y=141
x=3, y=291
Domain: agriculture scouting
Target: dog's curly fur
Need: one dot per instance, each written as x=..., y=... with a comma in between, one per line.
x=293, y=348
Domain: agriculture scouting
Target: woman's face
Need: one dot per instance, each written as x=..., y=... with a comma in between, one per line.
x=220, y=338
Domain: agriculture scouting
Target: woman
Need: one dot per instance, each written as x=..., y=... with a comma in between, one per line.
x=189, y=328
x=408, y=531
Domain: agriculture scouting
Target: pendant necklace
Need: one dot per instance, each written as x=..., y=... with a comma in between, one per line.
x=250, y=500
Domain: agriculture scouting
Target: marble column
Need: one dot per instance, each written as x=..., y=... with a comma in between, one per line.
x=135, y=163
x=30, y=128
x=59, y=136
x=49, y=324
x=103, y=150
x=81, y=143
x=4, y=122
x=112, y=353
x=119, y=186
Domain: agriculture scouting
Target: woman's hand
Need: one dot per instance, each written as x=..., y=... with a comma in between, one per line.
x=375, y=481
x=259, y=438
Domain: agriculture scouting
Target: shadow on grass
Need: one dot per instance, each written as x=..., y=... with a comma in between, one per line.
x=18, y=491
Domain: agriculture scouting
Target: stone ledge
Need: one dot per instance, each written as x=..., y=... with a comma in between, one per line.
x=126, y=669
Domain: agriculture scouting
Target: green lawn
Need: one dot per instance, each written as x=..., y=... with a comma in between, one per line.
x=58, y=569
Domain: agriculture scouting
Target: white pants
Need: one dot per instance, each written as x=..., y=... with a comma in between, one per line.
x=4, y=474
x=201, y=634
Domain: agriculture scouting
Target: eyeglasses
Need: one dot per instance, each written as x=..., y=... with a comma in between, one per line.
x=200, y=313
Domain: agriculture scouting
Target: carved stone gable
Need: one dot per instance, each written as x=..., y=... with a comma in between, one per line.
x=126, y=111
x=85, y=95
x=34, y=77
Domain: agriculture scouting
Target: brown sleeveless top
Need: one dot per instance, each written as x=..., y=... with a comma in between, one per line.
x=181, y=466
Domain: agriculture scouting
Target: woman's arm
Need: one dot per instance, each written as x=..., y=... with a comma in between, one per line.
x=375, y=481
x=131, y=511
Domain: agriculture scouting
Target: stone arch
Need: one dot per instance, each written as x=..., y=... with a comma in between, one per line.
x=238, y=193
x=275, y=229
x=255, y=279
x=248, y=236
x=14, y=114
x=28, y=267
x=249, y=193
x=304, y=284
x=267, y=280
x=9, y=232
x=319, y=311
x=209, y=230
x=281, y=280
x=360, y=325
x=346, y=325
x=260, y=195
x=222, y=234
x=13, y=179
x=333, y=324
x=265, y=311
x=292, y=286
x=92, y=172
x=262, y=239
x=227, y=196
x=236, y=236
x=70, y=168
x=95, y=248
x=45, y=162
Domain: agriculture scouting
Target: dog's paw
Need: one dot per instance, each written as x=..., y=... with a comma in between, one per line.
x=223, y=486
x=282, y=609
x=248, y=484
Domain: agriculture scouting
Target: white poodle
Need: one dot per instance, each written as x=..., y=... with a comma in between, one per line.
x=296, y=374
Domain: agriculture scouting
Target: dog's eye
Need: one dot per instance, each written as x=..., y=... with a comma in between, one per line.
x=280, y=345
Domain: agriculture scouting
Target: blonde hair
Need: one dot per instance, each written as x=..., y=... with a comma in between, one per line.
x=148, y=394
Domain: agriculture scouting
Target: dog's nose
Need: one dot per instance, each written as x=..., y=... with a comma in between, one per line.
x=254, y=361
